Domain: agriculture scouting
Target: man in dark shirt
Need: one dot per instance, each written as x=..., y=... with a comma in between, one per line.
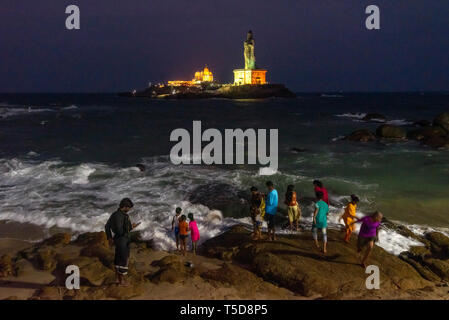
x=120, y=225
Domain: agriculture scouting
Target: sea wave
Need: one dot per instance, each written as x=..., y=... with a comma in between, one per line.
x=81, y=197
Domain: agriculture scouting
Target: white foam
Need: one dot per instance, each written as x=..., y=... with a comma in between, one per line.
x=82, y=197
x=352, y=115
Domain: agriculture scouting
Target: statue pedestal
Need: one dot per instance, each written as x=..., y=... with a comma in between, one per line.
x=250, y=76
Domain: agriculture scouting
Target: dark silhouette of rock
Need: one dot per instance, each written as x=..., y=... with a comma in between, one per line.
x=389, y=131
x=141, y=167
x=437, y=142
x=361, y=135
x=426, y=133
x=442, y=120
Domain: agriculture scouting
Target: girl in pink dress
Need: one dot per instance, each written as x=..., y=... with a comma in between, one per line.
x=194, y=232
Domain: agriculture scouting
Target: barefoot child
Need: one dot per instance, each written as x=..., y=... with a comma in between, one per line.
x=293, y=209
x=194, y=232
x=320, y=220
x=175, y=226
x=368, y=234
x=348, y=217
x=183, y=233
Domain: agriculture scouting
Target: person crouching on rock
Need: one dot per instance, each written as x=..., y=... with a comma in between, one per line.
x=183, y=233
x=175, y=226
x=194, y=232
x=348, y=217
x=320, y=220
x=293, y=209
x=120, y=224
x=255, y=207
x=368, y=234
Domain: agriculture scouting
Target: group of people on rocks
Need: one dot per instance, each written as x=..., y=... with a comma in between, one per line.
x=263, y=207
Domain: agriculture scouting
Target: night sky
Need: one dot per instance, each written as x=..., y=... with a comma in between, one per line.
x=310, y=45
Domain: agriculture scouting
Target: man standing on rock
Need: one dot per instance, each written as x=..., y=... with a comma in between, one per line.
x=271, y=207
x=120, y=224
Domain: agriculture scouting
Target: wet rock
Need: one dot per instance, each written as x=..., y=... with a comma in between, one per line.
x=375, y=117
x=58, y=239
x=439, y=244
x=6, y=266
x=442, y=120
x=426, y=133
x=419, y=253
x=223, y=197
x=92, y=238
x=388, y=131
x=361, y=135
x=423, y=270
x=439, y=267
x=141, y=167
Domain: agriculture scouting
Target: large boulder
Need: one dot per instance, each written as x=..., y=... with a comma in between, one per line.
x=294, y=263
x=361, y=135
x=389, y=131
x=105, y=255
x=442, y=120
x=375, y=117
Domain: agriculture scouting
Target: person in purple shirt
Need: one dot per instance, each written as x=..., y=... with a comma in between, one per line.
x=368, y=234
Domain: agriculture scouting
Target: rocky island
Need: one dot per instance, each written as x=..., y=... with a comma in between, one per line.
x=249, y=83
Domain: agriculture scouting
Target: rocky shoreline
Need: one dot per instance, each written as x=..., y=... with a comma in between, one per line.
x=435, y=134
x=229, y=266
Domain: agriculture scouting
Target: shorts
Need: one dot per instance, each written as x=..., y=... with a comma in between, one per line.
x=176, y=231
x=258, y=224
x=183, y=236
x=362, y=242
x=293, y=213
x=270, y=220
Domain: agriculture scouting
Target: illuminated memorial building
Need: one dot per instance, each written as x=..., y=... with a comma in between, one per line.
x=251, y=74
x=200, y=77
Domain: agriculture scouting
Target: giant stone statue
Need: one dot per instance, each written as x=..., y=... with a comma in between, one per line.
x=250, y=58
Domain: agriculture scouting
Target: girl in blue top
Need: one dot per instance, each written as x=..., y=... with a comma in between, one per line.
x=320, y=220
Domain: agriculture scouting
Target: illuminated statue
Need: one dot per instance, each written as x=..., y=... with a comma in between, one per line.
x=250, y=58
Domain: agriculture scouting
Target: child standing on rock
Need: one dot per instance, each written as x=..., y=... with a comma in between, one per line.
x=175, y=226
x=194, y=232
x=183, y=233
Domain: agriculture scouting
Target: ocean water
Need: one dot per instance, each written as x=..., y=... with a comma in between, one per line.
x=67, y=159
